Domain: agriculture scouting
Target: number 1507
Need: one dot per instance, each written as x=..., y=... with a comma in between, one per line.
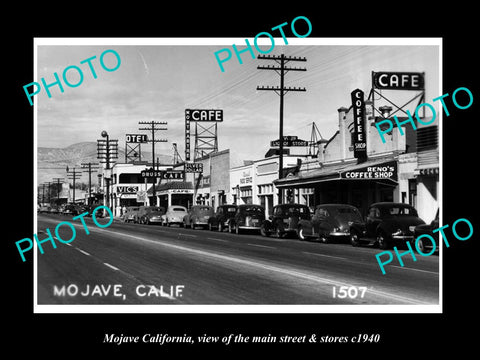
x=349, y=291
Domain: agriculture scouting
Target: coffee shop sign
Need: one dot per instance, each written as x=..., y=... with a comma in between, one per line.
x=383, y=171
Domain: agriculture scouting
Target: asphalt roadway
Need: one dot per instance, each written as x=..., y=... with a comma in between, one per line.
x=150, y=264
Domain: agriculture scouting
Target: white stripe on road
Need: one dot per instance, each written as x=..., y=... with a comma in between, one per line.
x=83, y=252
x=216, y=239
x=407, y=268
x=188, y=235
x=111, y=266
x=262, y=246
x=330, y=256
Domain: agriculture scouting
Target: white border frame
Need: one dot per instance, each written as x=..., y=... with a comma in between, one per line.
x=215, y=309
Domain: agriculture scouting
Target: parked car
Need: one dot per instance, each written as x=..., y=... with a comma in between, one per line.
x=130, y=214
x=53, y=210
x=70, y=209
x=424, y=245
x=198, y=215
x=174, y=215
x=247, y=217
x=285, y=220
x=222, y=217
x=44, y=209
x=386, y=224
x=330, y=221
x=150, y=214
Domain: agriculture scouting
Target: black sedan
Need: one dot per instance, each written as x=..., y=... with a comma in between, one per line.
x=285, y=220
x=247, y=217
x=222, y=217
x=386, y=224
x=424, y=245
x=330, y=221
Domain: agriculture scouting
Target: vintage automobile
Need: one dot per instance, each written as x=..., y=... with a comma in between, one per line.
x=43, y=209
x=129, y=215
x=424, y=245
x=330, y=221
x=222, y=217
x=174, y=215
x=150, y=214
x=285, y=220
x=247, y=217
x=386, y=224
x=70, y=209
x=198, y=215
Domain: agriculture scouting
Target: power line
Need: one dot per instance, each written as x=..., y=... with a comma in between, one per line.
x=153, y=127
x=281, y=90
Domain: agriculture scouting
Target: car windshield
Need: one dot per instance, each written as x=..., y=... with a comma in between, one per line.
x=178, y=209
x=399, y=211
x=203, y=209
x=253, y=209
x=348, y=213
x=231, y=209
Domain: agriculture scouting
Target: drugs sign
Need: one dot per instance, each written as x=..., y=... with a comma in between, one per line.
x=163, y=174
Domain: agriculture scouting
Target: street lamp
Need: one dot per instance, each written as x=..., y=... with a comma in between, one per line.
x=106, y=198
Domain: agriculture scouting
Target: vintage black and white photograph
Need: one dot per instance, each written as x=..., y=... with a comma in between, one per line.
x=215, y=175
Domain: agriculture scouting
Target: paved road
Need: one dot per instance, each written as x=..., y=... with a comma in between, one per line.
x=150, y=264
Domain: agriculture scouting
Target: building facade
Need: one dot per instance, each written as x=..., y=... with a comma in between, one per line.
x=392, y=171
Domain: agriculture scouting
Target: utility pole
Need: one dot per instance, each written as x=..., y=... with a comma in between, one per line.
x=281, y=90
x=107, y=152
x=89, y=168
x=58, y=188
x=72, y=174
x=153, y=126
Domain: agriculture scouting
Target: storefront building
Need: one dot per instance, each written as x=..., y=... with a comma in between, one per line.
x=212, y=186
x=392, y=171
x=253, y=182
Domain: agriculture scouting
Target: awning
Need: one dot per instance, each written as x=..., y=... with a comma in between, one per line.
x=381, y=170
x=171, y=185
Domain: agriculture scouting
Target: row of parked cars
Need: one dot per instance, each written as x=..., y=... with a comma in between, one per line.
x=65, y=209
x=386, y=224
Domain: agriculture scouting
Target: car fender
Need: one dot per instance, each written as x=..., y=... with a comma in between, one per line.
x=306, y=225
x=267, y=225
x=359, y=228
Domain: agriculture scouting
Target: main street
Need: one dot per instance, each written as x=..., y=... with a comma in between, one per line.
x=148, y=264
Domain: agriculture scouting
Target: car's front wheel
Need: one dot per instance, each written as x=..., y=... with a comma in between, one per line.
x=354, y=239
x=382, y=240
x=301, y=233
x=264, y=231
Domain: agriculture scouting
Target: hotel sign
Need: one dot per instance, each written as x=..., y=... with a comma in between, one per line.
x=359, y=139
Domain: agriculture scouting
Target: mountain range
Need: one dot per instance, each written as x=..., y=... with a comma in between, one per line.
x=52, y=162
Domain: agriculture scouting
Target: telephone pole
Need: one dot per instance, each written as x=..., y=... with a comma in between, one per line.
x=89, y=168
x=153, y=126
x=57, y=179
x=72, y=174
x=281, y=90
x=107, y=152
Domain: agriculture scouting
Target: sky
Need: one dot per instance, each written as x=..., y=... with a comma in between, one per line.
x=159, y=78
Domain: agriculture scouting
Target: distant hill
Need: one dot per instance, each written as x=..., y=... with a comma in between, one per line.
x=52, y=162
